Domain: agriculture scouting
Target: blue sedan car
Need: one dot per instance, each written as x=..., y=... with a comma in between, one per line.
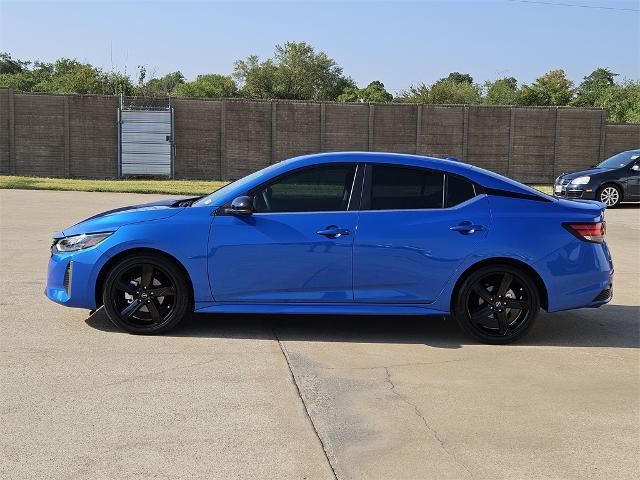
x=342, y=233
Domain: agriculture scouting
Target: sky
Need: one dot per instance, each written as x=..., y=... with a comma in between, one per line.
x=399, y=43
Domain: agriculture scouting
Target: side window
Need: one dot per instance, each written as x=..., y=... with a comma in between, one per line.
x=458, y=190
x=405, y=188
x=317, y=189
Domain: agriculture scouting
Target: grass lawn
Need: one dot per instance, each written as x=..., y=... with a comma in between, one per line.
x=177, y=187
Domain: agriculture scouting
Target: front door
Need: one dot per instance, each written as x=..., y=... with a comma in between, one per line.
x=412, y=236
x=295, y=247
x=633, y=182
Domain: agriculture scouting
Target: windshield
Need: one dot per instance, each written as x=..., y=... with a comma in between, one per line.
x=620, y=160
x=215, y=197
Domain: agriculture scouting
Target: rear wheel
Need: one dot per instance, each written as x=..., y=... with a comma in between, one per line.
x=497, y=304
x=610, y=195
x=146, y=294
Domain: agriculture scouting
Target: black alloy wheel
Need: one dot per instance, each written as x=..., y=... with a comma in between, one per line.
x=497, y=304
x=146, y=294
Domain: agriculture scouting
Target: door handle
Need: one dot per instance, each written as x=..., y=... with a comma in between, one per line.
x=333, y=231
x=466, y=228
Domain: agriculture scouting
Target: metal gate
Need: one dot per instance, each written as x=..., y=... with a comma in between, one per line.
x=145, y=143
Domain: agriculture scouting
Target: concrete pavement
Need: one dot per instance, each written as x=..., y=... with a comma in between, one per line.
x=307, y=397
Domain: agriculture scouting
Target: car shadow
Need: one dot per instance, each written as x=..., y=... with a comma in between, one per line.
x=609, y=326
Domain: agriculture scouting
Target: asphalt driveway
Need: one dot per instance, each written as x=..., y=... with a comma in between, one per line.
x=306, y=397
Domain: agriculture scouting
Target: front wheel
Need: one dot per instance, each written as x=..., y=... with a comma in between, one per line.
x=146, y=294
x=610, y=195
x=497, y=304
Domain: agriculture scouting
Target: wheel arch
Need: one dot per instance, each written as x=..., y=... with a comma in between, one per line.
x=133, y=252
x=614, y=183
x=535, y=276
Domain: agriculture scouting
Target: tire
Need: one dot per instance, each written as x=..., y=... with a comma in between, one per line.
x=610, y=195
x=146, y=294
x=487, y=301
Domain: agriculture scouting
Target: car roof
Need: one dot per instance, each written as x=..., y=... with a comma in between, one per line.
x=377, y=157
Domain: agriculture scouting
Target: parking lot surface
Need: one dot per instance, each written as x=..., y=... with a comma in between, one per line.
x=273, y=397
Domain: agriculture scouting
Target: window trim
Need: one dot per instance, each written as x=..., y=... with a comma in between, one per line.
x=353, y=204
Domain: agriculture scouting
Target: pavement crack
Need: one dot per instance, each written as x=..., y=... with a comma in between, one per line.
x=396, y=365
x=419, y=414
x=285, y=354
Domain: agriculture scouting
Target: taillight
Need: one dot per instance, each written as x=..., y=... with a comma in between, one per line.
x=589, y=232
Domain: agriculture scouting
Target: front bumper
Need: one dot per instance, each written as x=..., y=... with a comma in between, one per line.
x=71, y=278
x=563, y=189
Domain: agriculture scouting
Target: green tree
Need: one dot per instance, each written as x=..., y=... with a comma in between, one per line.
x=457, y=77
x=65, y=75
x=22, y=81
x=374, y=93
x=503, y=91
x=257, y=78
x=551, y=89
x=72, y=77
x=350, y=95
x=295, y=72
x=443, y=92
x=211, y=85
x=116, y=83
x=10, y=65
x=622, y=101
x=165, y=85
x=593, y=87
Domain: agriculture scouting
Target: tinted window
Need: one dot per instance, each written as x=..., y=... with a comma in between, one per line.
x=317, y=189
x=458, y=190
x=399, y=188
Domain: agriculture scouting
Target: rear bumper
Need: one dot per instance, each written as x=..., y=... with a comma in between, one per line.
x=579, y=275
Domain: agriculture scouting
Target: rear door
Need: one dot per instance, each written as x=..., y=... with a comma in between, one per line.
x=415, y=228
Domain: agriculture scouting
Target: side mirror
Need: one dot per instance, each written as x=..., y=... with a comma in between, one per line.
x=240, y=206
x=635, y=168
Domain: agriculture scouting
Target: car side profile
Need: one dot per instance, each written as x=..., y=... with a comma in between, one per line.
x=615, y=180
x=342, y=233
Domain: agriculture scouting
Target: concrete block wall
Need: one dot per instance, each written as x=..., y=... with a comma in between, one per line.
x=6, y=129
x=532, y=138
x=619, y=138
x=76, y=135
x=486, y=140
x=346, y=127
x=579, y=139
x=440, y=131
x=198, y=140
x=39, y=139
x=91, y=128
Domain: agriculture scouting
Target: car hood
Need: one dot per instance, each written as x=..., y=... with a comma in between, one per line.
x=581, y=173
x=114, y=219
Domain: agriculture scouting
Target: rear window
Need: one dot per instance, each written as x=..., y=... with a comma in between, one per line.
x=401, y=188
x=458, y=190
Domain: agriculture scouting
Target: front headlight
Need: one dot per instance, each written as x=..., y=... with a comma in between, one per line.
x=78, y=242
x=580, y=181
